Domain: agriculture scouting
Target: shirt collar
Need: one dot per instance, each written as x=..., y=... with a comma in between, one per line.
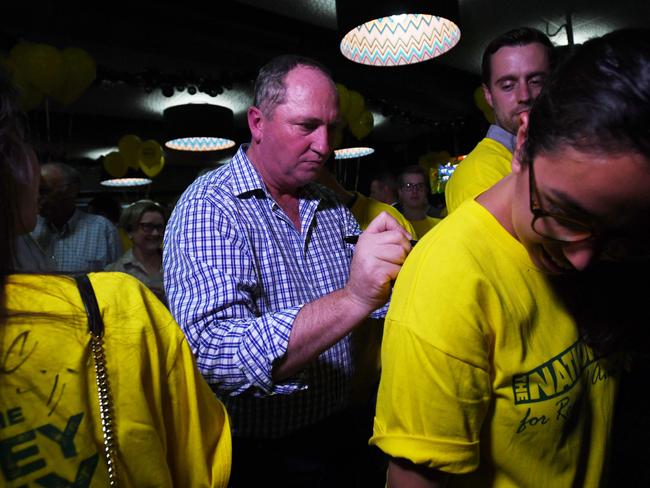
x=246, y=179
x=502, y=136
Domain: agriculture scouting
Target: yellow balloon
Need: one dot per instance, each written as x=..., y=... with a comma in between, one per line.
x=150, y=154
x=81, y=71
x=344, y=99
x=115, y=165
x=154, y=170
x=30, y=97
x=42, y=64
x=129, y=146
x=481, y=103
x=362, y=126
x=357, y=106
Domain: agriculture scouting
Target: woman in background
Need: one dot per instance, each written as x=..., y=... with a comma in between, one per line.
x=144, y=222
x=169, y=428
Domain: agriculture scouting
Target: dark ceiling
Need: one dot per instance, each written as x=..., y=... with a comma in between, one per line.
x=142, y=50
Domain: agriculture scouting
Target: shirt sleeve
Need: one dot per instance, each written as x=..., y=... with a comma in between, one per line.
x=435, y=386
x=201, y=429
x=213, y=284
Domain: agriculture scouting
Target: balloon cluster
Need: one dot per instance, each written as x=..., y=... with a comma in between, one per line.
x=133, y=153
x=481, y=103
x=431, y=162
x=352, y=108
x=40, y=70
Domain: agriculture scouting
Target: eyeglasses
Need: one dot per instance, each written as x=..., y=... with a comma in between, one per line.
x=413, y=186
x=148, y=228
x=551, y=225
x=561, y=228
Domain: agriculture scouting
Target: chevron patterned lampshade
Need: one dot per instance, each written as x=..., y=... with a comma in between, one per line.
x=198, y=127
x=394, y=33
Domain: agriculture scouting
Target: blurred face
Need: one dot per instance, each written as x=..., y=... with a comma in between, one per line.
x=413, y=191
x=380, y=191
x=56, y=197
x=291, y=144
x=148, y=232
x=606, y=194
x=518, y=73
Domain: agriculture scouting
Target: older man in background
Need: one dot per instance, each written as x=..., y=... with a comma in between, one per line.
x=74, y=241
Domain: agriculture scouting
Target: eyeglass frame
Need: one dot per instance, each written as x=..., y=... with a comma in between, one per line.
x=148, y=227
x=538, y=213
x=413, y=186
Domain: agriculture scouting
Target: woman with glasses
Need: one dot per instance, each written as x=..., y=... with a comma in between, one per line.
x=502, y=351
x=144, y=222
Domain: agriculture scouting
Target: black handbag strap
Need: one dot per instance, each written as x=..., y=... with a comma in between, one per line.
x=95, y=322
x=96, y=329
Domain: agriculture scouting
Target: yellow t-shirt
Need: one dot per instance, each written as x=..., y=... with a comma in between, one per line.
x=171, y=429
x=488, y=163
x=483, y=370
x=424, y=225
x=365, y=209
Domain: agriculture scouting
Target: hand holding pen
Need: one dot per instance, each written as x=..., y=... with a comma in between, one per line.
x=378, y=256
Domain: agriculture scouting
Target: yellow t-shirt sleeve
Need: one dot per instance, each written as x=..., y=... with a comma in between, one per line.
x=435, y=387
x=201, y=428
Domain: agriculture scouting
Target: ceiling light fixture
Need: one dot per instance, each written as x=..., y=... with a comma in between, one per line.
x=353, y=152
x=198, y=127
x=126, y=182
x=389, y=33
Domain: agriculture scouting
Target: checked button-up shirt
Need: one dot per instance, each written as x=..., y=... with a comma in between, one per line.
x=237, y=272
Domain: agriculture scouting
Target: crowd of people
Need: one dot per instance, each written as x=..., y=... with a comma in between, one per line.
x=243, y=349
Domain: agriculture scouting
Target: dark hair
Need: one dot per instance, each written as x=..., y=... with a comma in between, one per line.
x=413, y=169
x=386, y=178
x=14, y=171
x=270, y=89
x=134, y=212
x=597, y=100
x=522, y=36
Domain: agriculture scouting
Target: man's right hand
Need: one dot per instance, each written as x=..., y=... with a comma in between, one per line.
x=378, y=257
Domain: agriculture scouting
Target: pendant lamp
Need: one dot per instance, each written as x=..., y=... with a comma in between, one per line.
x=396, y=32
x=198, y=127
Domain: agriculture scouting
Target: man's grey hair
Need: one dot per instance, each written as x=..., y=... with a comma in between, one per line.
x=270, y=89
x=70, y=175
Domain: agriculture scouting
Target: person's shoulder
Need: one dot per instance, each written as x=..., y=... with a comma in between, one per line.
x=95, y=220
x=117, y=282
x=459, y=229
x=119, y=265
x=486, y=147
x=215, y=182
x=125, y=294
x=210, y=190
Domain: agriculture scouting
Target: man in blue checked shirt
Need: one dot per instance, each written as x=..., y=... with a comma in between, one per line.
x=267, y=291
